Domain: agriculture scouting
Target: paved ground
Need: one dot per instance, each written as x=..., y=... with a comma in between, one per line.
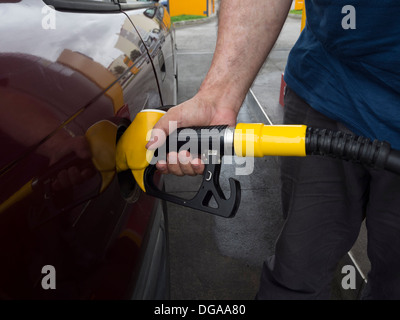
x=213, y=257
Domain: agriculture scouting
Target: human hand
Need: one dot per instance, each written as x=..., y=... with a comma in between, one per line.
x=69, y=158
x=194, y=112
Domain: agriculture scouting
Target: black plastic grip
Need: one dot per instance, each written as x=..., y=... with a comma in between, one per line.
x=209, y=143
x=205, y=138
x=209, y=190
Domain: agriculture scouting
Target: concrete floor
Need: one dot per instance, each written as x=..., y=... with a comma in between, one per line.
x=214, y=257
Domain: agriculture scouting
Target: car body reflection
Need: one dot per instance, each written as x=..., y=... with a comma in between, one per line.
x=65, y=96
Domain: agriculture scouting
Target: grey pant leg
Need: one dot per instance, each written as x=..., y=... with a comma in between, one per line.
x=324, y=202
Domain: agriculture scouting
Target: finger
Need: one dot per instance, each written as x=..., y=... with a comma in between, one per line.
x=173, y=164
x=62, y=181
x=82, y=148
x=87, y=173
x=162, y=166
x=56, y=186
x=185, y=163
x=74, y=176
x=198, y=166
x=163, y=128
x=157, y=139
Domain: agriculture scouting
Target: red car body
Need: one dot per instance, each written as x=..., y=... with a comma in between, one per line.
x=73, y=75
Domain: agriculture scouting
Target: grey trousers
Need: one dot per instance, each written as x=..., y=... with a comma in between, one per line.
x=324, y=202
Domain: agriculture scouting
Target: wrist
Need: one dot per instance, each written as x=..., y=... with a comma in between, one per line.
x=221, y=96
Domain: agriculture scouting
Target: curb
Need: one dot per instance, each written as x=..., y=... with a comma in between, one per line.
x=215, y=17
x=295, y=16
x=194, y=22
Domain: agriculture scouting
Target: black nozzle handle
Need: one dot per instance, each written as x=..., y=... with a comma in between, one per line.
x=198, y=140
x=203, y=200
x=211, y=143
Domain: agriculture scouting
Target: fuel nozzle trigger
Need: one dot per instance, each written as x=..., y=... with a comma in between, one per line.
x=210, y=197
x=209, y=190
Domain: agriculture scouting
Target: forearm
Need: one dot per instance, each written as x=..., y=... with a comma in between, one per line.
x=247, y=32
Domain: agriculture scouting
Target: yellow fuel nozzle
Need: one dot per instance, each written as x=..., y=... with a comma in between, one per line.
x=245, y=140
x=213, y=142
x=131, y=153
x=259, y=140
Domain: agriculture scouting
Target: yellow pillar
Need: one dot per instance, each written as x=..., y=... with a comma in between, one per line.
x=299, y=5
x=303, y=19
x=192, y=7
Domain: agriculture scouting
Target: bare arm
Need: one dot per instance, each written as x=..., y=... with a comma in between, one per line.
x=247, y=32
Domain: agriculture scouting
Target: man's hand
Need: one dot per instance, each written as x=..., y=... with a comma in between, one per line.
x=194, y=112
x=246, y=35
x=60, y=146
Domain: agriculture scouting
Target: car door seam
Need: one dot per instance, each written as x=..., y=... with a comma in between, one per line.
x=149, y=55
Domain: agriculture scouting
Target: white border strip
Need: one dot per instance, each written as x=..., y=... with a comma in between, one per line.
x=260, y=107
x=357, y=266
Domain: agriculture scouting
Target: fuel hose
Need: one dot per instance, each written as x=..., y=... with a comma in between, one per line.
x=337, y=144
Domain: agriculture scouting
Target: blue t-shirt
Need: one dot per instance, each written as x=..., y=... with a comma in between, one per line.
x=346, y=65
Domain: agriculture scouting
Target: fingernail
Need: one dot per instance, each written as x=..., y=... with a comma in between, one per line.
x=151, y=145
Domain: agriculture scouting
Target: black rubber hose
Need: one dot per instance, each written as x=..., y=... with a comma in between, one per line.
x=345, y=146
x=393, y=161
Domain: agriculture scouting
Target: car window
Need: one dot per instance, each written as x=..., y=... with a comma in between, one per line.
x=106, y=1
x=150, y=13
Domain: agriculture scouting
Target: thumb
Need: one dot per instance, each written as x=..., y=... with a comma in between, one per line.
x=165, y=126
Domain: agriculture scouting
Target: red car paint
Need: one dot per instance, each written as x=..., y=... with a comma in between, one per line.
x=56, y=82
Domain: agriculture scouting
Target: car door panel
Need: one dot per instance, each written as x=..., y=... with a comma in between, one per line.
x=57, y=85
